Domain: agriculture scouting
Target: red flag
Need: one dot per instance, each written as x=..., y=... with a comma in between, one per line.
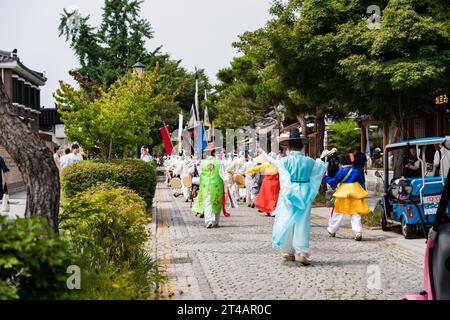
x=166, y=139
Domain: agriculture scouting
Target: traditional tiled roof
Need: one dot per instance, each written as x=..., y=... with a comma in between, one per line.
x=6, y=56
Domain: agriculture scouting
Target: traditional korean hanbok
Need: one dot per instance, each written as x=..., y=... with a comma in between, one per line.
x=209, y=200
x=186, y=170
x=350, y=198
x=300, y=179
x=267, y=198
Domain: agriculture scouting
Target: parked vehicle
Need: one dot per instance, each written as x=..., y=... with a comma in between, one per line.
x=437, y=254
x=411, y=191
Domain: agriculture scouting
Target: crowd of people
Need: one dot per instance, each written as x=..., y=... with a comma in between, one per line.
x=282, y=186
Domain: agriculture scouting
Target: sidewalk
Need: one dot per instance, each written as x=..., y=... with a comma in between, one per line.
x=237, y=261
x=18, y=203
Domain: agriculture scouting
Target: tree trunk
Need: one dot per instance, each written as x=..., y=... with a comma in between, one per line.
x=402, y=122
x=301, y=119
x=320, y=119
x=35, y=162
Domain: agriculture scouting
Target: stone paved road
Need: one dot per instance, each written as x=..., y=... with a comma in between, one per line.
x=236, y=261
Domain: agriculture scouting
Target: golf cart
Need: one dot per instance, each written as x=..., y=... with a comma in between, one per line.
x=411, y=189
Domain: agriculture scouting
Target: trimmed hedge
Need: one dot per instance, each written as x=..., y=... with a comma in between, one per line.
x=136, y=175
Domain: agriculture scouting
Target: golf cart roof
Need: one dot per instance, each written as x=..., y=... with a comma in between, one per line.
x=416, y=142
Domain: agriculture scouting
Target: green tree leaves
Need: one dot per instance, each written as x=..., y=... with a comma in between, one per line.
x=119, y=119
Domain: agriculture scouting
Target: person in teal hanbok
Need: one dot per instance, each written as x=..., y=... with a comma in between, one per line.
x=300, y=179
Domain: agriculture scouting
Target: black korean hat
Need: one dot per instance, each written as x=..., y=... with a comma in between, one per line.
x=294, y=134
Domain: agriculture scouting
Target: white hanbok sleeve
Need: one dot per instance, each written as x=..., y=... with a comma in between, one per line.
x=223, y=172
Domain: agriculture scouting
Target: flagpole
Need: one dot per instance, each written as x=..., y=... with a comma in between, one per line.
x=197, y=107
x=180, y=129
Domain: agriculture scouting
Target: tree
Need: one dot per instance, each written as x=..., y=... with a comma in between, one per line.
x=397, y=68
x=121, y=118
x=109, y=52
x=345, y=135
x=35, y=162
x=303, y=40
x=249, y=89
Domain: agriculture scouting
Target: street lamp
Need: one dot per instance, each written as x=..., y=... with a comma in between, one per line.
x=138, y=67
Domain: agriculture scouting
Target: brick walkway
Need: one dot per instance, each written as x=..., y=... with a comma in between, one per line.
x=236, y=261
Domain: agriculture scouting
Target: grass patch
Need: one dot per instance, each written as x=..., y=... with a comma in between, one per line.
x=319, y=201
x=372, y=219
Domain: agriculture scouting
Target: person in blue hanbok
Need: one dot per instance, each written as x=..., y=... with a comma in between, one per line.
x=300, y=179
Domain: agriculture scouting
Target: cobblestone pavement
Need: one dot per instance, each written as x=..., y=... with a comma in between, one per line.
x=237, y=261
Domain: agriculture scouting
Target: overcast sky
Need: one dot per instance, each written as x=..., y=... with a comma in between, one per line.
x=199, y=32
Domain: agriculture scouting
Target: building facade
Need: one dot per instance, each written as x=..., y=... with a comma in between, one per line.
x=23, y=86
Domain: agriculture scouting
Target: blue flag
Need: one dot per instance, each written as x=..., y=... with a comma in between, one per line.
x=201, y=143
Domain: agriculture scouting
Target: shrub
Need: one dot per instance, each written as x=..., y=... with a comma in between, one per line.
x=107, y=227
x=107, y=222
x=136, y=175
x=33, y=260
x=119, y=283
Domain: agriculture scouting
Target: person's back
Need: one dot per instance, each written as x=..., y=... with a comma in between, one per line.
x=63, y=161
x=298, y=166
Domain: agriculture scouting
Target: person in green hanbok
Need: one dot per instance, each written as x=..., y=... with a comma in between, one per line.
x=213, y=177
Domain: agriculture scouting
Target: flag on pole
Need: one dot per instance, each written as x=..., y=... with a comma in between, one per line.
x=201, y=143
x=207, y=125
x=180, y=132
x=192, y=123
x=166, y=139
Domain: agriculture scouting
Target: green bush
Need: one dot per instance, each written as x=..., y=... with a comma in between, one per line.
x=107, y=228
x=136, y=175
x=119, y=283
x=110, y=223
x=33, y=260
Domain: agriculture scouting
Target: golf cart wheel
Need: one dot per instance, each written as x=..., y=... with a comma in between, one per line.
x=407, y=230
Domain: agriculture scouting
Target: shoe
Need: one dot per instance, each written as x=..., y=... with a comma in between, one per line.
x=332, y=234
x=304, y=261
x=288, y=257
x=215, y=225
x=201, y=216
x=358, y=236
x=272, y=215
x=253, y=205
x=209, y=225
